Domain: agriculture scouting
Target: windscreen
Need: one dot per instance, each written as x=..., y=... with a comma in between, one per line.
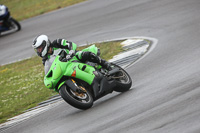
x=48, y=64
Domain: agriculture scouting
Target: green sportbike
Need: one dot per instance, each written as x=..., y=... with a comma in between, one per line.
x=80, y=84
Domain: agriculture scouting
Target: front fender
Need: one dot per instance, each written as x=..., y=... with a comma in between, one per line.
x=59, y=86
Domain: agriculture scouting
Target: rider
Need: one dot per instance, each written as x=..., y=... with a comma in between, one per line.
x=47, y=50
x=4, y=15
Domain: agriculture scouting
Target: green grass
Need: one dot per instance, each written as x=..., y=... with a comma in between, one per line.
x=23, y=9
x=21, y=83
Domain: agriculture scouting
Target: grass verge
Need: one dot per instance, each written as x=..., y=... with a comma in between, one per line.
x=23, y=9
x=21, y=83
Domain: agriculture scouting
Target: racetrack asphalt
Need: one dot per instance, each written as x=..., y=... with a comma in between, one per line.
x=165, y=95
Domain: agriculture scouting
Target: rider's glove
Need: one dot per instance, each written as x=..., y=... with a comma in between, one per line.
x=71, y=53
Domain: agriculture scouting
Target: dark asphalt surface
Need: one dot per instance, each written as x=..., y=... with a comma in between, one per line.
x=165, y=95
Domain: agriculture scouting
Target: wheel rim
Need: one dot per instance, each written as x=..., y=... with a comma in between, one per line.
x=80, y=97
x=122, y=77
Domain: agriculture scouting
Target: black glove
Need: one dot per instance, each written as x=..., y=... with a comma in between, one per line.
x=72, y=53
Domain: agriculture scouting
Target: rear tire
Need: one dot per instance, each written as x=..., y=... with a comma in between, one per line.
x=81, y=101
x=124, y=81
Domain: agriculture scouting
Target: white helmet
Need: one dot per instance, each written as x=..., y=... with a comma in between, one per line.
x=41, y=45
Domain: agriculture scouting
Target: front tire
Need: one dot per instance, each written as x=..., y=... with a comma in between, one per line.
x=81, y=101
x=123, y=80
x=15, y=24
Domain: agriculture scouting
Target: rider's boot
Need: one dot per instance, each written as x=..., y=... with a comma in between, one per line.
x=96, y=59
x=89, y=56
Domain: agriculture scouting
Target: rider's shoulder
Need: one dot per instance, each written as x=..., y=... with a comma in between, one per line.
x=59, y=41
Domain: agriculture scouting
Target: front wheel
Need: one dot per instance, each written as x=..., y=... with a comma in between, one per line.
x=15, y=24
x=78, y=100
x=123, y=80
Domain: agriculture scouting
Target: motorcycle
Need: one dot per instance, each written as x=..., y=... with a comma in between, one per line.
x=12, y=26
x=80, y=84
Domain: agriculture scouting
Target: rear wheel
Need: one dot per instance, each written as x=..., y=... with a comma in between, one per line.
x=123, y=80
x=82, y=100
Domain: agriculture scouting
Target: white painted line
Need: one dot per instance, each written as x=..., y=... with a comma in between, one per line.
x=29, y=114
x=150, y=49
x=131, y=41
x=139, y=50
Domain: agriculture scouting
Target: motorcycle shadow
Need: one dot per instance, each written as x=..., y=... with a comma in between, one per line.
x=111, y=98
x=104, y=101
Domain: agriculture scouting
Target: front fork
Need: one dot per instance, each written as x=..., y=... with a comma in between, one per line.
x=71, y=83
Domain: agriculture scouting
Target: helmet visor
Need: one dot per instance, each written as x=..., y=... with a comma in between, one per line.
x=39, y=49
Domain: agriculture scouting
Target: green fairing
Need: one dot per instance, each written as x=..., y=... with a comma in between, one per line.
x=92, y=48
x=59, y=69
